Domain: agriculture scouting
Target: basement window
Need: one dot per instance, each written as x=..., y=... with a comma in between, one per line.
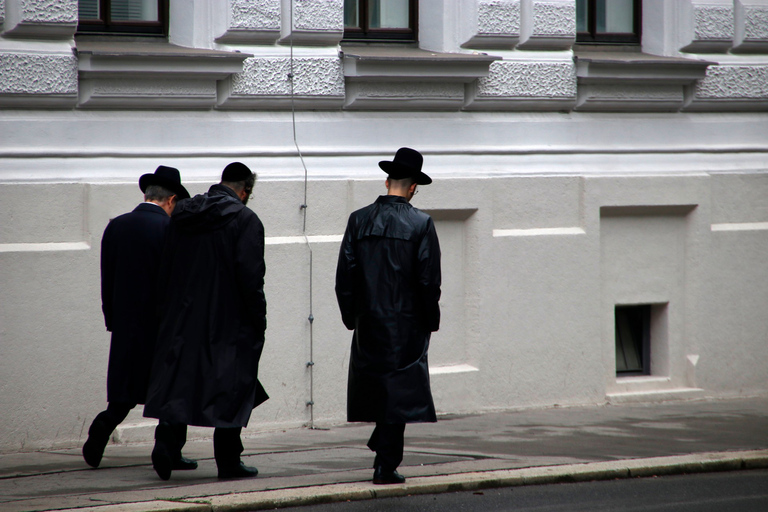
x=633, y=340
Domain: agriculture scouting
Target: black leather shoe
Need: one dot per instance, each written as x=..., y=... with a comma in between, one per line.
x=93, y=449
x=161, y=461
x=238, y=471
x=381, y=477
x=184, y=464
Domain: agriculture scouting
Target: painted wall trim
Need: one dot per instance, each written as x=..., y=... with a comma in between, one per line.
x=45, y=247
x=740, y=226
x=538, y=232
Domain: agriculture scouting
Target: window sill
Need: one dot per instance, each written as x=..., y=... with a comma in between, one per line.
x=631, y=80
x=384, y=76
x=151, y=74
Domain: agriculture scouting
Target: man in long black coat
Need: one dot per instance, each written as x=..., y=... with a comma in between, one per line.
x=388, y=287
x=130, y=255
x=213, y=311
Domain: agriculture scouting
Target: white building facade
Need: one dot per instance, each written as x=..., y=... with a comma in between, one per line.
x=600, y=188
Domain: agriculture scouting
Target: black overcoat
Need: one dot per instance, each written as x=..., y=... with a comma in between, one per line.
x=213, y=314
x=130, y=255
x=388, y=287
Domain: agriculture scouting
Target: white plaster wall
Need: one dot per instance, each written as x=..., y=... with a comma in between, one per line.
x=517, y=200
x=547, y=219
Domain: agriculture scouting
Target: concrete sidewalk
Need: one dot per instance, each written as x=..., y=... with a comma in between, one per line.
x=459, y=452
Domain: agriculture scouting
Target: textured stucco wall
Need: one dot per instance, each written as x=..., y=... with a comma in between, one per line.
x=713, y=22
x=323, y=15
x=756, y=22
x=31, y=73
x=255, y=14
x=553, y=19
x=498, y=17
x=734, y=82
x=48, y=11
x=529, y=79
x=314, y=76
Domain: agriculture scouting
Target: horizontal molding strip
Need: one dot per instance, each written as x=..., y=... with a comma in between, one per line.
x=315, y=239
x=453, y=368
x=538, y=232
x=45, y=247
x=740, y=226
x=196, y=152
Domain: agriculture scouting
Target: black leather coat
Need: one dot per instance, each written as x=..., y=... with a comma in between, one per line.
x=388, y=287
x=130, y=256
x=213, y=312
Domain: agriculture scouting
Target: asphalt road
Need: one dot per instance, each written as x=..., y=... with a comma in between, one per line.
x=737, y=491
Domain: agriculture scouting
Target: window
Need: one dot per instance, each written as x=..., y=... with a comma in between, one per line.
x=132, y=17
x=380, y=20
x=633, y=340
x=608, y=21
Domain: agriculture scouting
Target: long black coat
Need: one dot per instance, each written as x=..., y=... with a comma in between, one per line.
x=130, y=255
x=388, y=287
x=213, y=309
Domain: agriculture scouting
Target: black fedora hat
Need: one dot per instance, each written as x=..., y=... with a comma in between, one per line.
x=406, y=164
x=166, y=177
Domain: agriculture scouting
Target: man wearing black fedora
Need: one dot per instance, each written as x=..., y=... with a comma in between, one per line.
x=388, y=287
x=130, y=256
x=213, y=320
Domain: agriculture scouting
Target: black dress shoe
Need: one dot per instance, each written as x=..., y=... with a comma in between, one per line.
x=93, y=449
x=382, y=476
x=239, y=470
x=184, y=464
x=161, y=461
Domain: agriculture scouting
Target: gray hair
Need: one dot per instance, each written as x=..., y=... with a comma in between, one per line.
x=157, y=193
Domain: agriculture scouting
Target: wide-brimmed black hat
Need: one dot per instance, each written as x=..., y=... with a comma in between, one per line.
x=236, y=171
x=406, y=164
x=166, y=177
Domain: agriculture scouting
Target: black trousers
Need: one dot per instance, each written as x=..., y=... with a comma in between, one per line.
x=173, y=436
x=388, y=440
x=227, y=445
x=114, y=415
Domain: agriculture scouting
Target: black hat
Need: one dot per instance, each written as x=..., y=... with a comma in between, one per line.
x=235, y=172
x=407, y=164
x=166, y=177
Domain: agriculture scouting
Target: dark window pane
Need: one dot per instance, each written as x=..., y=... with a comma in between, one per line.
x=582, y=16
x=380, y=20
x=351, y=14
x=88, y=9
x=632, y=339
x=388, y=14
x=608, y=21
x=134, y=10
x=615, y=16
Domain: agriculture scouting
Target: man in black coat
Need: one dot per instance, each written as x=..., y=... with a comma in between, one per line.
x=130, y=255
x=213, y=319
x=388, y=287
